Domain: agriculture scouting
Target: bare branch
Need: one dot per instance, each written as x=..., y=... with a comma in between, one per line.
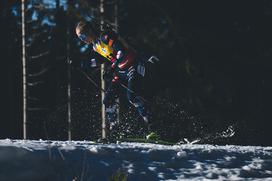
x=39, y=55
x=29, y=44
x=30, y=21
x=37, y=109
x=35, y=83
x=39, y=6
x=39, y=73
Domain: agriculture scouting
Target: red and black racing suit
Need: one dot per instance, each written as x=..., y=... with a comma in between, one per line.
x=127, y=68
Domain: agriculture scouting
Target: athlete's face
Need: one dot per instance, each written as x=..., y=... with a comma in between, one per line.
x=86, y=38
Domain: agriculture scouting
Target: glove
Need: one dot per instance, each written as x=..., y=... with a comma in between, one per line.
x=86, y=64
x=119, y=57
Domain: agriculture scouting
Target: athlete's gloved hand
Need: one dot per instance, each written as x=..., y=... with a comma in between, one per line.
x=115, y=64
x=86, y=64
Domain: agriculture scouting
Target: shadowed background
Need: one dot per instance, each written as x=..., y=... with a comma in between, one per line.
x=215, y=68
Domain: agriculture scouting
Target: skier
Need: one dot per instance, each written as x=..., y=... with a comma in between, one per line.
x=127, y=66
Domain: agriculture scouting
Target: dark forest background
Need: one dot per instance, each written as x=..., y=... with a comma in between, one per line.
x=214, y=70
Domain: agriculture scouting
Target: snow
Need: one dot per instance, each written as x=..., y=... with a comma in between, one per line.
x=85, y=160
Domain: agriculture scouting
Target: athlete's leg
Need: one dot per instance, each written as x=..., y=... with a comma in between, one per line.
x=133, y=93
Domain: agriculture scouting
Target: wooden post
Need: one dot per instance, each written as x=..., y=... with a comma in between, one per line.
x=24, y=72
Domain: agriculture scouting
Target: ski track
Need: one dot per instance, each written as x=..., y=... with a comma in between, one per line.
x=83, y=160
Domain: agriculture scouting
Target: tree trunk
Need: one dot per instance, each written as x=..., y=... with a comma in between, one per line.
x=24, y=72
x=103, y=112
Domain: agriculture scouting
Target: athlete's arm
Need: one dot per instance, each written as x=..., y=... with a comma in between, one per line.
x=111, y=39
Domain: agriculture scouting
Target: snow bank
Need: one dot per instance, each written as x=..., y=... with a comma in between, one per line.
x=83, y=160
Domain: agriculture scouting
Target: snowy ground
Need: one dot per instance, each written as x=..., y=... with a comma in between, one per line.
x=56, y=160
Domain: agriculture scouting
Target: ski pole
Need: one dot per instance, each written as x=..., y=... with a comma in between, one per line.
x=121, y=84
x=93, y=82
x=128, y=89
x=90, y=79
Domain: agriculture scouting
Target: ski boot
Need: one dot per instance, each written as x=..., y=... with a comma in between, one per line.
x=144, y=114
x=152, y=136
x=112, y=116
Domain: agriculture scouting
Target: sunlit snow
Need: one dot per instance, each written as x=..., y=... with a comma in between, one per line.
x=84, y=160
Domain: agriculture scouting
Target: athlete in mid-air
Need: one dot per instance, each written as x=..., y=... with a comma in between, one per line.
x=126, y=64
